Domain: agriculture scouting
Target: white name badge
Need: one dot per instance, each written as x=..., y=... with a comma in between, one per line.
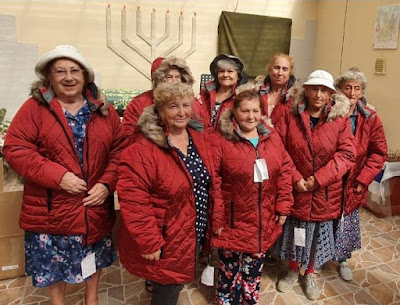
x=207, y=276
x=88, y=265
x=300, y=237
x=260, y=170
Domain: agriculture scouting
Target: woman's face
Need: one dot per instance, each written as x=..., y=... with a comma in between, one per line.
x=67, y=79
x=176, y=114
x=280, y=71
x=317, y=95
x=227, y=77
x=174, y=76
x=353, y=90
x=248, y=114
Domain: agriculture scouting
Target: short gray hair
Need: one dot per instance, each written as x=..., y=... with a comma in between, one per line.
x=352, y=75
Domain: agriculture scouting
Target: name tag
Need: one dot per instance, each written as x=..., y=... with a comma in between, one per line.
x=260, y=170
x=207, y=276
x=88, y=265
x=300, y=237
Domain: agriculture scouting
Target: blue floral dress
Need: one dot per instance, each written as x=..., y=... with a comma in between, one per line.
x=53, y=258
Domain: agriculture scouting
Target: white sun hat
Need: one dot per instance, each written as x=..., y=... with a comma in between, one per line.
x=322, y=78
x=63, y=51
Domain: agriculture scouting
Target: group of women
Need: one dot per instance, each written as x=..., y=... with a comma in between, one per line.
x=192, y=173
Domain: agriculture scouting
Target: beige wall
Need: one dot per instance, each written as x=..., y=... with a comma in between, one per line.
x=82, y=23
x=358, y=25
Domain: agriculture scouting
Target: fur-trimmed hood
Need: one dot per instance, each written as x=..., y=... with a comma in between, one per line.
x=338, y=106
x=231, y=131
x=94, y=96
x=160, y=74
x=151, y=127
x=291, y=90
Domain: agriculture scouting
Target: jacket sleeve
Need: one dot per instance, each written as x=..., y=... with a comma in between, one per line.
x=218, y=213
x=376, y=154
x=131, y=117
x=21, y=149
x=110, y=175
x=343, y=159
x=284, y=201
x=136, y=177
x=281, y=127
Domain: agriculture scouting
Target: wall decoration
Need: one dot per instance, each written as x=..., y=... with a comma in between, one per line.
x=152, y=41
x=386, y=31
x=120, y=98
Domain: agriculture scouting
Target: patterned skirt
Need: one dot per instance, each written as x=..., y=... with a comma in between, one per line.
x=347, y=235
x=319, y=243
x=53, y=258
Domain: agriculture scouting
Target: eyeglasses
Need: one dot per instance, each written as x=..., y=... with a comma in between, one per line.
x=61, y=73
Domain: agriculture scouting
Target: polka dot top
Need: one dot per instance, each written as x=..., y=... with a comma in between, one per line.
x=78, y=124
x=201, y=185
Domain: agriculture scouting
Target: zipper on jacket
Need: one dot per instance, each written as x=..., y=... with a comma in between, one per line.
x=49, y=198
x=326, y=194
x=86, y=176
x=259, y=207
x=163, y=233
x=232, y=204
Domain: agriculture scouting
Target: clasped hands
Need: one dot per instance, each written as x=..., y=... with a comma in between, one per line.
x=74, y=185
x=306, y=185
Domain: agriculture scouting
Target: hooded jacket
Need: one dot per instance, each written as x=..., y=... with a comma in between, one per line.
x=325, y=152
x=158, y=210
x=140, y=102
x=39, y=146
x=371, y=154
x=246, y=209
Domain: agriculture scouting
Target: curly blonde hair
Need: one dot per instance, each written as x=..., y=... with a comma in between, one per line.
x=165, y=93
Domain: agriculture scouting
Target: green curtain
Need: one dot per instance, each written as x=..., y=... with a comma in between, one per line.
x=253, y=38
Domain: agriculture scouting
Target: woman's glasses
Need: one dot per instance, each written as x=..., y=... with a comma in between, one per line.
x=61, y=73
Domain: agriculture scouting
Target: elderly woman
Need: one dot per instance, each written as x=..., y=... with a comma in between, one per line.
x=275, y=91
x=371, y=153
x=217, y=96
x=65, y=142
x=163, y=189
x=318, y=139
x=249, y=209
x=171, y=69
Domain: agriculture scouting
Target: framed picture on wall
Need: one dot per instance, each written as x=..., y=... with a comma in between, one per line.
x=386, y=30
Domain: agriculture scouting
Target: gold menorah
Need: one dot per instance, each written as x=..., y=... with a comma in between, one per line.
x=152, y=41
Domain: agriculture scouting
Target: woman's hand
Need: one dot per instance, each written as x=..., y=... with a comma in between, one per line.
x=72, y=184
x=218, y=231
x=360, y=187
x=153, y=256
x=280, y=220
x=300, y=186
x=198, y=98
x=97, y=194
x=311, y=184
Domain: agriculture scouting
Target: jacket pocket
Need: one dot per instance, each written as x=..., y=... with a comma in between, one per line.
x=232, y=226
x=49, y=199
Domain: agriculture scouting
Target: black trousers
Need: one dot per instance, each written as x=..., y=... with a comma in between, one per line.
x=165, y=294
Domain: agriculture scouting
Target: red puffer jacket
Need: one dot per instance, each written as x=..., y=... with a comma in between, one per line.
x=133, y=112
x=158, y=210
x=40, y=147
x=325, y=152
x=371, y=154
x=204, y=111
x=283, y=107
x=245, y=209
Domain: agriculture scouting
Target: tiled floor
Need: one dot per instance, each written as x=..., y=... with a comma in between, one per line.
x=376, y=278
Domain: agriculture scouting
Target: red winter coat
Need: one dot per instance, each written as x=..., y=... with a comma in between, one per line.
x=283, y=106
x=133, y=111
x=325, y=152
x=158, y=211
x=371, y=154
x=245, y=209
x=40, y=147
x=204, y=110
